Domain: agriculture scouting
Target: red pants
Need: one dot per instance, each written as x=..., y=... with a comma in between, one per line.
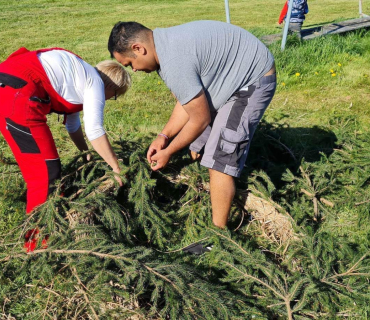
x=23, y=108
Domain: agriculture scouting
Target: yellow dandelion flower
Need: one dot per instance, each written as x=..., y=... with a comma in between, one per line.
x=339, y=64
x=150, y=90
x=333, y=74
x=331, y=71
x=316, y=73
x=159, y=82
x=297, y=74
x=283, y=84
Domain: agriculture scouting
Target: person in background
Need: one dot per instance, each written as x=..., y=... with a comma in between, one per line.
x=223, y=78
x=36, y=83
x=299, y=11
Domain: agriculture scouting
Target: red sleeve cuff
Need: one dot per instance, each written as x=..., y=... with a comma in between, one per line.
x=283, y=13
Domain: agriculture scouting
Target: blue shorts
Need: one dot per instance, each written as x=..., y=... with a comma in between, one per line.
x=225, y=142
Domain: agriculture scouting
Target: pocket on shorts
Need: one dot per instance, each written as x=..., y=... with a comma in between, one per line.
x=22, y=136
x=231, y=146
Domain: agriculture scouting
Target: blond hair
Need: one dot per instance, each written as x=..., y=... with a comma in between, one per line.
x=114, y=76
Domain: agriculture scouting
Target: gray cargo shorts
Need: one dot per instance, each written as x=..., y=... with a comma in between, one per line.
x=225, y=142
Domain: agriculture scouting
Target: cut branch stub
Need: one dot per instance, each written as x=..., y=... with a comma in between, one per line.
x=323, y=200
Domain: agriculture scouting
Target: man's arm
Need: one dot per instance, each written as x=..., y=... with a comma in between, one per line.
x=177, y=121
x=199, y=118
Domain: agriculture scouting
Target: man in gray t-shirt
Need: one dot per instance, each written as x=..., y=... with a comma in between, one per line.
x=223, y=78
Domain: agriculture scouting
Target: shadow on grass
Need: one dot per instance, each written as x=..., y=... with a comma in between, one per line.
x=276, y=148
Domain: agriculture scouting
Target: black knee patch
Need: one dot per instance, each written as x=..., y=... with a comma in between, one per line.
x=22, y=136
x=54, y=172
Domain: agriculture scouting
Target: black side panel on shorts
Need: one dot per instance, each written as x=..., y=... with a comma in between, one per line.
x=238, y=108
x=22, y=137
x=54, y=172
x=231, y=143
x=11, y=81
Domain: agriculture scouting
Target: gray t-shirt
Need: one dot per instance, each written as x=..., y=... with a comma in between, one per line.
x=217, y=57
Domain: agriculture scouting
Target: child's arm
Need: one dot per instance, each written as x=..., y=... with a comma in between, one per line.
x=283, y=13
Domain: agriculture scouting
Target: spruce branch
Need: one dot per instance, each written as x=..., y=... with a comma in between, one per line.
x=314, y=198
x=283, y=145
x=285, y=298
x=239, y=247
x=96, y=254
x=44, y=288
x=84, y=290
x=163, y=277
x=47, y=302
x=362, y=202
x=67, y=252
x=225, y=312
x=6, y=161
x=311, y=195
x=10, y=172
x=351, y=270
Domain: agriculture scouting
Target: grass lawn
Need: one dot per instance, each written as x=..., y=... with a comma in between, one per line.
x=314, y=136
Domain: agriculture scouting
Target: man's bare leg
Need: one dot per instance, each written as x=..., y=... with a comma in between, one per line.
x=222, y=194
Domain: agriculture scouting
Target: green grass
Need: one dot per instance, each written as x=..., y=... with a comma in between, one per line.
x=320, y=112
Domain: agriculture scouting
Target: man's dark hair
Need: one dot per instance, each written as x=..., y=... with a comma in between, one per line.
x=124, y=34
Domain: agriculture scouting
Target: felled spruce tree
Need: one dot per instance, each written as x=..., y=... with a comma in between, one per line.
x=117, y=254
x=99, y=263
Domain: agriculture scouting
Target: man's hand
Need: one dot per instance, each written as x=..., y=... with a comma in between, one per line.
x=193, y=117
x=195, y=156
x=160, y=159
x=157, y=145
